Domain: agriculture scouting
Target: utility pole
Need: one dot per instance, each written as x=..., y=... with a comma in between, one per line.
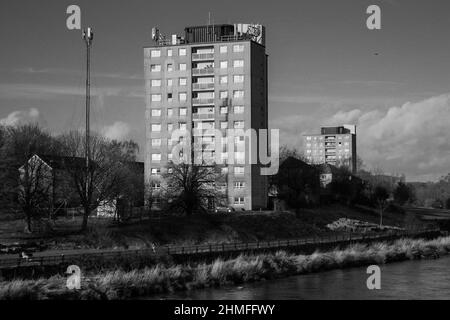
x=88, y=37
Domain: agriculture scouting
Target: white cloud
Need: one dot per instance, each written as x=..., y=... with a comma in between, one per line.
x=20, y=116
x=119, y=130
x=413, y=138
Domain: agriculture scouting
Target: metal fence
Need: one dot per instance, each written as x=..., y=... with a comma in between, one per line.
x=67, y=257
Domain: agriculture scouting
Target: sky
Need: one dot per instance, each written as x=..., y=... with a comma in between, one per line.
x=325, y=68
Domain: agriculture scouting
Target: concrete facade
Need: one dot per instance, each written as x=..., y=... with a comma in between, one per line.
x=334, y=145
x=216, y=84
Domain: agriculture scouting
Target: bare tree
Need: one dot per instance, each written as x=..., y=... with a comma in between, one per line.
x=105, y=178
x=26, y=179
x=189, y=188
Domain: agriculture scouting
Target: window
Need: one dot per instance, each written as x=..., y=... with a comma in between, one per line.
x=223, y=94
x=239, y=185
x=169, y=82
x=156, y=185
x=223, y=110
x=170, y=156
x=169, y=112
x=155, y=68
x=183, y=112
x=182, y=51
x=156, y=97
x=183, y=81
x=169, y=67
x=238, y=94
x=238, y=63
x=238, y=109
x=223, y=125
x=156, y=127
x=223, y=49
x=183, y=126
x=239, y=124
x=238, y=200
x=169, y=52
x=239, y=170
x=223, y=79
x=156, y=156
x=223, y=64
x=169, y=127
x=238, y=48
x=238, y=78
x=156, y=83
x=182, y=66
x=182, y=96
x=156, y=171
x=156, y=53
x=156, y=112
x=156, y=142
x=169, y=97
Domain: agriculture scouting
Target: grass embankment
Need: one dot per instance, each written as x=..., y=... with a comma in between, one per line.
x=245, y=268
x=203, y=229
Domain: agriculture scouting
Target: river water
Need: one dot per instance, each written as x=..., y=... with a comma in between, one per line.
x=424, y=279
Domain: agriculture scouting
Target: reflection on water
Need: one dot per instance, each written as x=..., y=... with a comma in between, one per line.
x=427, y=279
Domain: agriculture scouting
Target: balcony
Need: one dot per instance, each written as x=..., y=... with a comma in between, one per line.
x=203, y=86
x=203, y=116
x=202, y=72
x=202, y=101
x=202, y=56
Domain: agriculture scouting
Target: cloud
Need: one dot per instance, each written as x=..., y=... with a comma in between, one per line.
x=20, y=116
x=413, y=138
x=119, y=130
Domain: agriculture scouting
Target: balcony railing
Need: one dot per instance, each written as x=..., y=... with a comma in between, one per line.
x=203, y=71
x=203, y=116
x=202, y=56
x=203, y=86
x=199, y=101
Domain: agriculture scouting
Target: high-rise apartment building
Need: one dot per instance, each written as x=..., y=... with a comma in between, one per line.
x=214, y=77
x=334, y=145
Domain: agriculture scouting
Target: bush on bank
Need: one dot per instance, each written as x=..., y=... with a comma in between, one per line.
x=161, y=278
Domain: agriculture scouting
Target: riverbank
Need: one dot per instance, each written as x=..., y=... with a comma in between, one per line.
x=198, y=229
x=245, y=268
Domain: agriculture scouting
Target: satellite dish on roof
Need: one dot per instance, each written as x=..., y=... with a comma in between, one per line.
x=155, y=34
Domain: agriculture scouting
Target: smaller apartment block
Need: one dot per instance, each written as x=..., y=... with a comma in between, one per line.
x=334, y=145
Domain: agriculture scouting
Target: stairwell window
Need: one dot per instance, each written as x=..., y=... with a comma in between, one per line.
x=156, y=53
x=223, y=79
x=239, y=185
x=156, y=112
x=237, y=94
x=183, y=112
x=156, y=157
x=223, y=49
x=238, y=78
x=238, y=109
x=223, y=94
x=156, y=97
x=223, y=64
x=239, y=200
x=156, y=142
x=156, y=83
x=239, y=170
x=238, y=48
x=238, y=63
x=155, y=68
x=156, y=127
x=182, y=66
x=182, y=96
x=183, y=81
